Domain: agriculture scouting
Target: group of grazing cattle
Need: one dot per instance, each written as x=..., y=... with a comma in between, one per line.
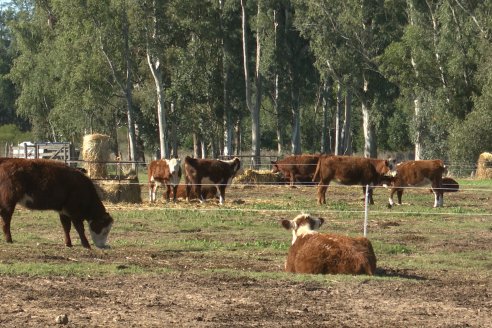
x=351, y=170
x=204, y=178
x=49, y=185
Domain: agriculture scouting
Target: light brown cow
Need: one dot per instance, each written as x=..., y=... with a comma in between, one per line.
x=165, y=172
x=316, y=253
x=41, y=184
x=218, y=173
x=417, y=174
x=296, y=168
x=350, y=170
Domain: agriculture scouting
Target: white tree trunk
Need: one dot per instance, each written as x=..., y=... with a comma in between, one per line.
x=338, y=125
x=154, y=65
x=346, y=133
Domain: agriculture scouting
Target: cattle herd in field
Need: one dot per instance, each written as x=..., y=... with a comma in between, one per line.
x=49, y=185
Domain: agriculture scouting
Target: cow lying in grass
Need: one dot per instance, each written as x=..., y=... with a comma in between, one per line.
x=40, y=184
x=316, y=253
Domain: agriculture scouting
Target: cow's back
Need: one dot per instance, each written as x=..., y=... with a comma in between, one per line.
x=418, y=172
x=331, y=254
x=346, y=169
x=45, y=184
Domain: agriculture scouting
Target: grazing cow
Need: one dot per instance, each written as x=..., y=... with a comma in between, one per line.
x=417, y=174
x=164, y=172
x=316, y=253
x=296, y=168
x=209, y=172
x=208, y=192
x=349, y=170
x=41, y=184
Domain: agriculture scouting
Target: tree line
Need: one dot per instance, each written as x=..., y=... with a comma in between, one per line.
x=226, y=77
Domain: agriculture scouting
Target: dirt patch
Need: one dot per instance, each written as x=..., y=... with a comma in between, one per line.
x=184, y=299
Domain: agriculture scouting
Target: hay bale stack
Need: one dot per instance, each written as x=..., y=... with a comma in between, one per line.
x=484, y=167
x=95, y=152
x=258, y=177
x=120, y=191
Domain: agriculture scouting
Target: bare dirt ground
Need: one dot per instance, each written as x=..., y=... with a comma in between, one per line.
x=193, y=294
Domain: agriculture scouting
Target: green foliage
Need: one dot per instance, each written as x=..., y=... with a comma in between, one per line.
x=12, y=134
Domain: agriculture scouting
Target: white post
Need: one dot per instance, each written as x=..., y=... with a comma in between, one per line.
x=366, y=210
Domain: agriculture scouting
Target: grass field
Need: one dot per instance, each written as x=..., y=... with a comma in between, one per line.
x=191, y=264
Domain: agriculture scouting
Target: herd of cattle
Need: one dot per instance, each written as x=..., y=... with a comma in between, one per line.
x=49, y=185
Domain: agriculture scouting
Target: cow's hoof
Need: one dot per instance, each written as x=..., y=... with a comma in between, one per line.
x=389, y=206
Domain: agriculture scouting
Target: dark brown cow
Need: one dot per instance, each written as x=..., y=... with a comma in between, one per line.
x=350, y=170
x=49, y=185
x=315, y=253
x=296, y=168
x=218, y=173
x=165, y=172
x=417, y=174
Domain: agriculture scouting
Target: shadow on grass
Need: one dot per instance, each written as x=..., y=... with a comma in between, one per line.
x=388, y=272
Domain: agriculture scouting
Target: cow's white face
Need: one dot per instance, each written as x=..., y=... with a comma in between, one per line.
x=174, y=170
x=100, y=238
x=302, y=225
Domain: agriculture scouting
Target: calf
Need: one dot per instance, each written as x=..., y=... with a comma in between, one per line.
x=214, y=172
x=164, y=172
x=296, y=168
x=315, y=253
x=41, y=184
x=416, y=174
x=350, y=170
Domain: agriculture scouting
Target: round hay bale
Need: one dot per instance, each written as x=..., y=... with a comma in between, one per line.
x=484, y=166
x=121, y=191
x=258, y=177
x=95, y=152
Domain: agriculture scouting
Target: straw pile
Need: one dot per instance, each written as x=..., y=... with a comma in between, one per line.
x=484, y=167
x=118, y=191
x=95, y=152
x=258, y=177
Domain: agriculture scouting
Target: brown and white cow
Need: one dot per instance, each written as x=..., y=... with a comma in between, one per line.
x=218, y=173
x=350, y=170
x=41, y=184
x=296, y=168
x=165, y=172
x=316, y=253
x=418, y=174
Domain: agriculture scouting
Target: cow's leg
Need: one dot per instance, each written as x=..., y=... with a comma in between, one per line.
x=6, y=215
x=67, y=225
x=198, y=190
x=188, y=192
x=152, y=190
x=391, y=203
x=369, y=194
x=322, y=187
x=175, y=193
x=79, y=226
x=168, y=192
x=399, y=194
x=221, y=194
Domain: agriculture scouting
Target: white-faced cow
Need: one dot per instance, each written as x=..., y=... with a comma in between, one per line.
x=218, y=173
x=316, y=253
x=165, y=172
x=417, y=174
x=296, y=168
x=350, y=170
x=49, y=185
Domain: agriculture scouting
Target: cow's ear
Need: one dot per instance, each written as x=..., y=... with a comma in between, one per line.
x=286, y=224
x=273, y=162
x=321, y=221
